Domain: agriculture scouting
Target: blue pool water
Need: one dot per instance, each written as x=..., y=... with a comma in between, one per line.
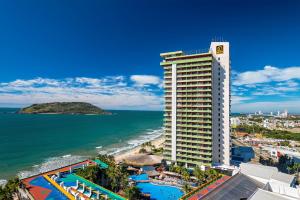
x=54, y=194
x=157, y=192
x=139, y=177
x=160, y=192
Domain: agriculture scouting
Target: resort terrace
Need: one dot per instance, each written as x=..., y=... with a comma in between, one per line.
x=63, y=183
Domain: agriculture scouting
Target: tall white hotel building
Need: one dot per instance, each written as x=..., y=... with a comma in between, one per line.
x=197, y=106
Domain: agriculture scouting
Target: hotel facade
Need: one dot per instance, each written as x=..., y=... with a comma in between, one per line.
x=197, y=106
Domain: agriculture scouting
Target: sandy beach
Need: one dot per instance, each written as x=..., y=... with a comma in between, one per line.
x=157, y=142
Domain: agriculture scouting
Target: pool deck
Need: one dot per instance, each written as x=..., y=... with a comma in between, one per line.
x=42, y=193
x=58, y=187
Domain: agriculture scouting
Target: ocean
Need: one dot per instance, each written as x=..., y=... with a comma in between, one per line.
x=30, y=144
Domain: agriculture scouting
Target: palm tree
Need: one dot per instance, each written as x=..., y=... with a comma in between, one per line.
x=296, y=168
x=133, y=193
x=113, y=173
x=124, y=181
x=5, y=194
x=199, y=174
x=186, y=175
x=186, y=188
x=172, y=168
x=10, y=189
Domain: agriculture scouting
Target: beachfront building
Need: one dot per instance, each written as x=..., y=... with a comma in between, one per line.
x=197, y=106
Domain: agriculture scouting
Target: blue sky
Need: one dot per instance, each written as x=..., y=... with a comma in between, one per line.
x=107, y=52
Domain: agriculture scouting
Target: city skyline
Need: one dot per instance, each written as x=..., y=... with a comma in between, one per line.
x=107, y=53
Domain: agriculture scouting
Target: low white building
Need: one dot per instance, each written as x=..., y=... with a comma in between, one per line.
x=235, y=121
x=265, y=174
x=261, y=194
x=278, y=185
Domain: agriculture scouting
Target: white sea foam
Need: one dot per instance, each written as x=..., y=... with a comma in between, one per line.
x=51, y=164
x=145, y=137
x=2, y=182
x=65, y=160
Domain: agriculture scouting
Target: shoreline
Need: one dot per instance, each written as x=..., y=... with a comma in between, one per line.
x=68, y=159
x=157, y=142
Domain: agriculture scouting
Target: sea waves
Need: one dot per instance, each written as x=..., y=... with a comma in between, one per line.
x=51, y=164
x=65, y=160
x=149, y=135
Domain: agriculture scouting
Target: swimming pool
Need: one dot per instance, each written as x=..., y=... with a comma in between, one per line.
x=157, y=192
x=48, y=187
x=139, y=177
x=160, y=192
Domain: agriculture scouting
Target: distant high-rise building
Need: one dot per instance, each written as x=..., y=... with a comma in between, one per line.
x=285, y=113
x=197, y=106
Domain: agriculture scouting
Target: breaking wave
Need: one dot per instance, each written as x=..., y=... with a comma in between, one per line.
x=65, y=160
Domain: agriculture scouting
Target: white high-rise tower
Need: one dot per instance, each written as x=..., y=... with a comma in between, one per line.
x=197, y=106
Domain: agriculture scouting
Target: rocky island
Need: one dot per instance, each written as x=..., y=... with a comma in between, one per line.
x=63, y=108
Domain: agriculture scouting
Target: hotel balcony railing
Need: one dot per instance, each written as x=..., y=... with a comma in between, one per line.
x=193, y=141
x=193, y=161
x=194, y=106
x=196, y=151
x=195, y=156
x=194, y=95
x=193, y=69
x=195, y=136
x=202, y=80
x=195, y=115
x=193, y=110
x=193, y=90
x=194, y=126
x=189, y=65
x=193, y=74
x=200, y=120
x=193, y=100
x=193, y=120
x=192, y=130
x=207, y=132
x=193, y=145
x=191, y=80
x=192, y=65
x=194, y=60
x=194, y=85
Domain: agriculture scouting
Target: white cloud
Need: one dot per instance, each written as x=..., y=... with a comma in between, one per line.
x=268, y=74
x=239, y=99
x=108, y=92
x=145, y=80
x=267, y=106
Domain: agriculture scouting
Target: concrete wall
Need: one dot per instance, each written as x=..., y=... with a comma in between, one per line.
x=221, y=103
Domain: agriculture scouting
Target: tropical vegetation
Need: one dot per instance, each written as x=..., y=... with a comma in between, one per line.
x=133, y=193
x=276, y=134
x=202, y=176
x=10, y=189
x=63, y=108
x=114, y=178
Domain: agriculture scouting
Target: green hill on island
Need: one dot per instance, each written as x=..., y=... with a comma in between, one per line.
x=63, y=108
